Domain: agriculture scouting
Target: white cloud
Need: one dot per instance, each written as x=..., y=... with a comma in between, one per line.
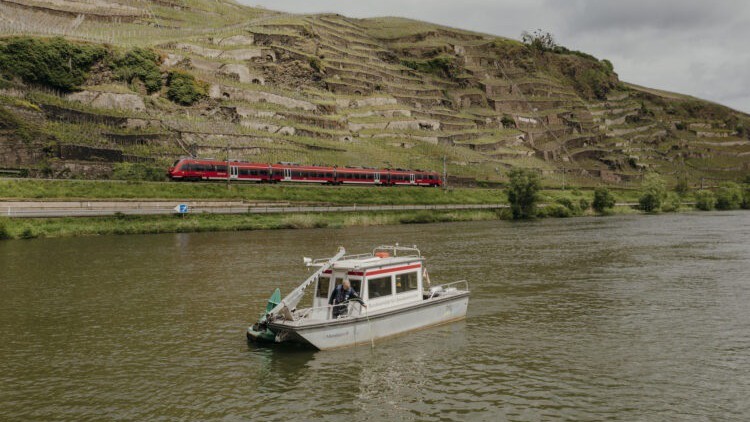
x=689, y=46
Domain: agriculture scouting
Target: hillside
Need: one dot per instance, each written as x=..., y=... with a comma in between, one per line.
x=136, y=84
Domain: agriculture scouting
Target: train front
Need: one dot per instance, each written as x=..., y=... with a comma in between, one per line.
x=175, y=172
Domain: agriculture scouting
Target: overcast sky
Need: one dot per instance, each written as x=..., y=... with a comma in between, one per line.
x=697, y=47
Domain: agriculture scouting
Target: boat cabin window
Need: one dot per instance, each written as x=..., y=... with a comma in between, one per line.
x=378, y=287
x=356, y=284
x=406, y=282
x=323, y=283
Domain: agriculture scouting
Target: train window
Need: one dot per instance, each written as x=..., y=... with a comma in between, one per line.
x=221, y=168
x=329, y=175
x=264, y=172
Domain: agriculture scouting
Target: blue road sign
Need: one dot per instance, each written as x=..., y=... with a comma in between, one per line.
x=182, y=208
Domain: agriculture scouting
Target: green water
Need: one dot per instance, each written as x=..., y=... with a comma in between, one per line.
x=623, y=318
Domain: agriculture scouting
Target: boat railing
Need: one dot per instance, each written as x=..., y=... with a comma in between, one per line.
x=397, y=250
x=454, y=286
x=353, y=309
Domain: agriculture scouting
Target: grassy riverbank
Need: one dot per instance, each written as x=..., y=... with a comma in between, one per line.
x=34, y=189
x=92, y=190
x=28, y=228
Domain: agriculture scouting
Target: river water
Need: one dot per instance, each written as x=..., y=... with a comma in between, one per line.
x=622, y=318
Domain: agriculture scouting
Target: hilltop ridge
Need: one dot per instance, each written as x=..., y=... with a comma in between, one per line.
x=170, y=78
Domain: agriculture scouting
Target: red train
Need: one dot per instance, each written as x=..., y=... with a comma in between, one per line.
x=195, y=169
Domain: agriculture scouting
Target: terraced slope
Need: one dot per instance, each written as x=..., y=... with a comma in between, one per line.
x=326, y=89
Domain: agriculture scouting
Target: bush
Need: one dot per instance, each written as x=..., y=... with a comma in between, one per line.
x=654, y=193
x=570, y=205
x=138, y=171
x=4, y=233
x=555, y=210
x=746, y=198
x=705, y=200
x=729, y=196
x=142, y=64
x=184, y=89
x=508, y=122
x=440, y=66
x=523, y=193
x=584, y=204
x=671, y=203
x=603, y=200
x=28, y=233
x=55, y=63
x=316, y=64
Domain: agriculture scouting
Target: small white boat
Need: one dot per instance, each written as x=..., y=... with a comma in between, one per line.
x=396, y=297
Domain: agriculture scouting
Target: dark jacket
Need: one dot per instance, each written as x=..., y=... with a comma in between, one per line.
x=341, y=295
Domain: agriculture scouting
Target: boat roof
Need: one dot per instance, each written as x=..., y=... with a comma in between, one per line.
x=371, y=262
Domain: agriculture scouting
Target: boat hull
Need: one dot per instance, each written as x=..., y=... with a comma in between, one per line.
x=364, y=329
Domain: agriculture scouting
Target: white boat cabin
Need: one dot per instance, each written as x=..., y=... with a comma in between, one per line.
x=383, y=279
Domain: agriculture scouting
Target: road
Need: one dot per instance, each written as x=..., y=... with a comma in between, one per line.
x=39, y=209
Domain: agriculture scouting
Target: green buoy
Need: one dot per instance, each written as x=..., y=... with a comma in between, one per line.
x=259, y=331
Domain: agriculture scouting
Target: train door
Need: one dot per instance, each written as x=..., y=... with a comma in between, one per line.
x=377, y=178
x=412, y=178
x=287, y=174
x=234, y=172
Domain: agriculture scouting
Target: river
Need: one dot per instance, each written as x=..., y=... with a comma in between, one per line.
x=621, y=318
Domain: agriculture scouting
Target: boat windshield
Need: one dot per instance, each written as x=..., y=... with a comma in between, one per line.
x=356, y=284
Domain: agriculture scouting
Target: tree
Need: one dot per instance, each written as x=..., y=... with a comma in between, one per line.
x=539, y=40
x=654, y=193
x=523, y=193
x=603, y=200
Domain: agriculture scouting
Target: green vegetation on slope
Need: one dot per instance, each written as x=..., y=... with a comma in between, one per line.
x=141, y=64
x=184, y=89
x=55, y=63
